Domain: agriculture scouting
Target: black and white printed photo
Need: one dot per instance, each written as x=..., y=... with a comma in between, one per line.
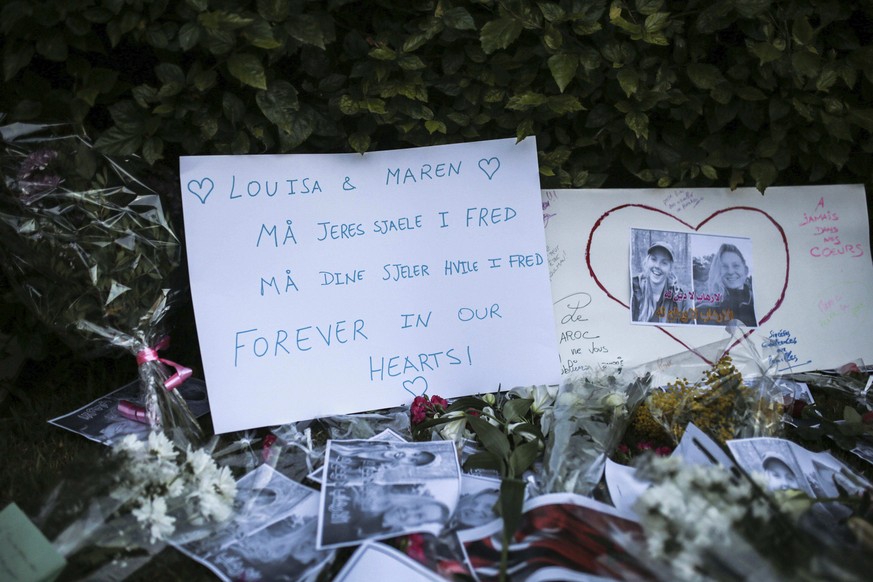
x=102, y=421
x=775, y=459
x=723, y=280
x=272, y=535
x=377, y=489
x=389, y=461
x=661, y=278
x=478, y=502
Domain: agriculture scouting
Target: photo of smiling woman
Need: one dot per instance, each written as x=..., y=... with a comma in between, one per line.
x=726, y=281
x=660, y=289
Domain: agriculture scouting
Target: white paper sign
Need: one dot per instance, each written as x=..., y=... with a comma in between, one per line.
x=337, y=283
x=812, y=272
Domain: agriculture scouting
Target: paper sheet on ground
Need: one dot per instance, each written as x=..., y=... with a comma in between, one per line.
x=337, y=283
x=812, y=272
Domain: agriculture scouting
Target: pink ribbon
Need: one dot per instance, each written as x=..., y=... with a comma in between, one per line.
x=132, y=411
x=151, y=355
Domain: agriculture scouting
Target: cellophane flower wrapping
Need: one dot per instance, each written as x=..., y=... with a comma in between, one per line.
x=141, y=496
x=88, y=247
x=725, y=388
x=589, y=418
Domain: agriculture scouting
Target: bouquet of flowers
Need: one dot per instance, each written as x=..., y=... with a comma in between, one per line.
x=711, y=523
x=88, y=247
x=158, y=492
x=723, y=402
x=590, y=417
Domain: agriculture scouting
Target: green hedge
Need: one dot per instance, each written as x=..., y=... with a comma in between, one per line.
x=627, y=93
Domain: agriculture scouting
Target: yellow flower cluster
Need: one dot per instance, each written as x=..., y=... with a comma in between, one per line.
x=720, y=405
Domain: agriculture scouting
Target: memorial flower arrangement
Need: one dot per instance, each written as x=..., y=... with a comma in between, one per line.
x=147, y=492
x=88, y=247
x=721, y=403
x=508, y=426
x=711, y=523
x=590, y=417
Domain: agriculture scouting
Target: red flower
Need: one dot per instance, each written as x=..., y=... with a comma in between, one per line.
x=867, y=417
x=416, y=549
x=438, y=401
x=422, y=408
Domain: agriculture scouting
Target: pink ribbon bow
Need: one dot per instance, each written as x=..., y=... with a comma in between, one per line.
x=151, y=355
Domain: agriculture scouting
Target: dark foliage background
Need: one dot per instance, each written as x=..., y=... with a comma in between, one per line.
x=628, y=93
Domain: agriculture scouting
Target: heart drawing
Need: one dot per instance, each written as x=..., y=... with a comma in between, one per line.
x=761, y=320
x=409, y=385
x=201, y=189
x=489, y=166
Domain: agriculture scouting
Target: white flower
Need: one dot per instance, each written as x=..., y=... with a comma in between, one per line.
x=152, y=513
x=161, y=447
x=614, y=400
x=488, y=415
x=454, y=430
x=129, y=444
x=525, y=434
x=543, y=396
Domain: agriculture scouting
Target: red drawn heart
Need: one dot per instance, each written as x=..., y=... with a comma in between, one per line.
x=761, y=320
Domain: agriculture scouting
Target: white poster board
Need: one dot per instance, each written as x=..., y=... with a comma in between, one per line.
x=336, y=283
x=810, y=264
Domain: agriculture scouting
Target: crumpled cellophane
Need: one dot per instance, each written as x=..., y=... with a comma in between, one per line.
x=726, y=388
x=88, y=248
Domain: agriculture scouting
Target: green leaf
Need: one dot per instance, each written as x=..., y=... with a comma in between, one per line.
x=747, y=93
x=118, y=141
x=629, y=79
x=764, y=173
x=851, y=415
x=563, y=68
x=433, y=126
x=553, y=38
x=491, y=437
x=189, y=34
x=153, y=149
x=170, y=73
x=709, y=171
x=751, y=8
x=279, y=104
x=382, y=53
x=306, y=29
x=525, y=101
x=52, y=47
x=523, y=457
x=247, y=68
x=15, y=59
x=826, y=80
x=360, y=142
x=802, y=32
x=656, y=22
x=862, y=118
x=511, y=503
x=648, y=6
x=805, y=62
x=562, y=104
x=499, y=34
x=703, y=75
x=459, y=19
x=639, y=123
x=260, y=34
x=273, y=10
x=515, y=409
x=551, y=12
x=483, y=461
x=765, y=51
